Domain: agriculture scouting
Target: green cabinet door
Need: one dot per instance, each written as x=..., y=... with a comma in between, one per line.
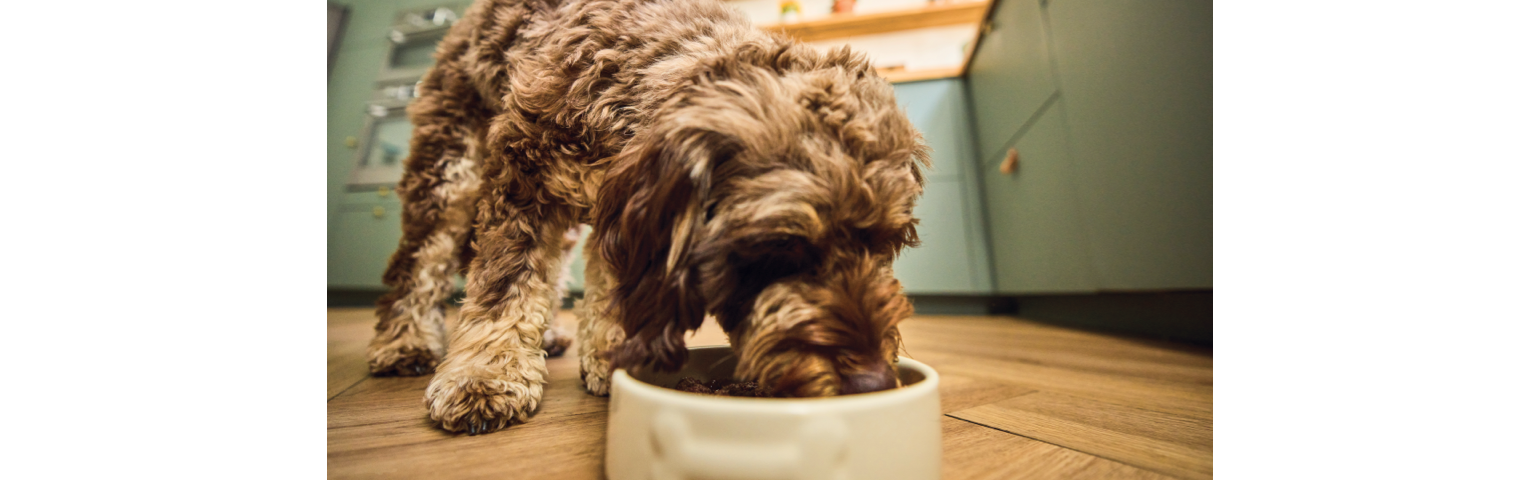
x=1136, y=80
x=1038, y=242
x=1010, y=76
x=953, y=257
x=1109, y=103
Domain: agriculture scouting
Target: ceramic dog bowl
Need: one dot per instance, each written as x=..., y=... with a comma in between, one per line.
x=659, y=433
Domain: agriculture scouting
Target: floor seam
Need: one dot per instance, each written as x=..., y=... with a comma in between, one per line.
x=1119, y=462
x=345, y=390
x=991, y=427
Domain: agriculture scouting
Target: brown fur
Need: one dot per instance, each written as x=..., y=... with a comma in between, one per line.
x=726, y=172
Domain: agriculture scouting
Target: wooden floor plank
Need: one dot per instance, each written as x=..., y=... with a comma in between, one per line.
x=570, y=448
x=347, y=335
x=1169, y=443
x=1193, y=399
x=1035, y=343
x=961, y=392
x=970, y=451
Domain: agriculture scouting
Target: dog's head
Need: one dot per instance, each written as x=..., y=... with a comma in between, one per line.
x=776, y=200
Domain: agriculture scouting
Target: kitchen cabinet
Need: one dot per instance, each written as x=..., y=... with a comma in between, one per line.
x=1115, y=186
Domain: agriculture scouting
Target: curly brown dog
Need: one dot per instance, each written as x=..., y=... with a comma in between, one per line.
x=725, y=171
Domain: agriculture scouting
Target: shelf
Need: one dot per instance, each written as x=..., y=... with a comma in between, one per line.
x=848, y=25
x=901, y=76
x=887, y=34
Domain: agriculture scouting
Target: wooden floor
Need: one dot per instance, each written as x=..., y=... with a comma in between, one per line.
x=1020, y=399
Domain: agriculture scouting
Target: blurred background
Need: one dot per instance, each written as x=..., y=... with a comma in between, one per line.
x=1072, y=147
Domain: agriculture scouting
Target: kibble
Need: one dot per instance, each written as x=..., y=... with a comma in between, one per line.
x=721, y=387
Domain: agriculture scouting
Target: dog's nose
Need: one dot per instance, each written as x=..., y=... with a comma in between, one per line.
x=876, y=378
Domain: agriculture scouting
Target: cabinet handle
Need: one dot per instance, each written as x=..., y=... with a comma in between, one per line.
x=1008, y=166
x=384, y=191
x=379, y=212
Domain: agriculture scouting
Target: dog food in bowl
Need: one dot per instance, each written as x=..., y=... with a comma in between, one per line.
x=721, y=387
x=656, y=431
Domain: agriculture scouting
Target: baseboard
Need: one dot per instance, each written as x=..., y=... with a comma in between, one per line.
x=1180, y=316
x=351, y=297
x=962, y=304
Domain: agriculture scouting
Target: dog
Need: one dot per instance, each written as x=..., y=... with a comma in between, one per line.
x=725, y=171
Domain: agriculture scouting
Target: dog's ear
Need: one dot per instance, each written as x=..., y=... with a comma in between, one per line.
x=647, y=217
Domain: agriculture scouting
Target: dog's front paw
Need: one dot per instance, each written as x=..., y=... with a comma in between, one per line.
x=398, y=358
x=475, y=405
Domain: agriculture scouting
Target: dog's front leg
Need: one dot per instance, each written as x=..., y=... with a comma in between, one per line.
x=494, y=372
x=598, y=331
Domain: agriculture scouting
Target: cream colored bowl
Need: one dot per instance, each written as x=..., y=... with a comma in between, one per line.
x=664, y=434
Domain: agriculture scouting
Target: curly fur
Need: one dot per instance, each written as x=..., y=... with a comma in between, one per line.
x=726, y=172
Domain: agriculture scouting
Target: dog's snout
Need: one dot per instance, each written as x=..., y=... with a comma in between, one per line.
x=871, y=379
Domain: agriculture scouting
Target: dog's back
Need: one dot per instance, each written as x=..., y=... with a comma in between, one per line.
x=574, y=69
x=565, y=63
